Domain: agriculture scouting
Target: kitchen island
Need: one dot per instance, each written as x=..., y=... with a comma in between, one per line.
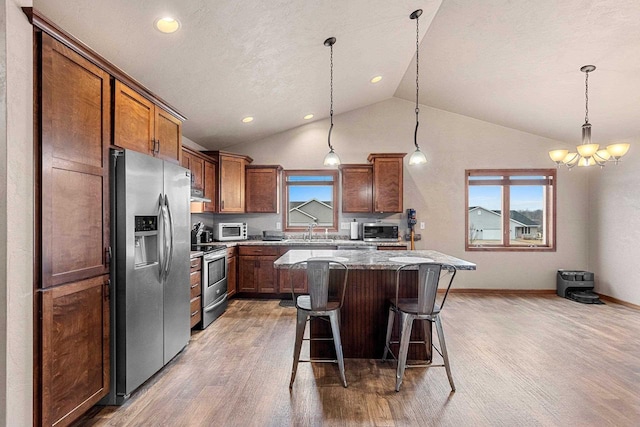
x=371, y=283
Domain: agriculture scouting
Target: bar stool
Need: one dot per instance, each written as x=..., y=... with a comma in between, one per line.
x=318, y=303
x=424, y=307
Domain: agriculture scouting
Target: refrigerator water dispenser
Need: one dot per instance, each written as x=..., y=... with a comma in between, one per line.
x=145, y=241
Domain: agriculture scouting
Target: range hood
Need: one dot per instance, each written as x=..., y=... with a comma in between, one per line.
x=197, y=195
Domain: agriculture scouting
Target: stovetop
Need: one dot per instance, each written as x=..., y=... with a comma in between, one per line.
x=209, y=247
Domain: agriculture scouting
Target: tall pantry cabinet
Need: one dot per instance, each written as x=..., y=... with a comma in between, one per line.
x=73, y=294
x=74, y=102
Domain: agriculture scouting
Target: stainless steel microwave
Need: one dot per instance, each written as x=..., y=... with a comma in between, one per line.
x=224, y=231
x=378, y=232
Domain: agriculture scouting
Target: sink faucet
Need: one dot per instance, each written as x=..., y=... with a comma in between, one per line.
x=310, y=229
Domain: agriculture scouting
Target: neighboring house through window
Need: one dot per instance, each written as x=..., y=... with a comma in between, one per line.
x=310, y=198
x=528, y=195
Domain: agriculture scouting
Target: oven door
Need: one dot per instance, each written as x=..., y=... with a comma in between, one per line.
x=214, y=286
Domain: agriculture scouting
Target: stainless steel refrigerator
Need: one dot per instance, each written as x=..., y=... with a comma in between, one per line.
x=150, y=311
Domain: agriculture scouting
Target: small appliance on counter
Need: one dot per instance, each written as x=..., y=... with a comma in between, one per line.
x=272, y=235
x=226, y=231
x=201, y=234
x=379, y=232
x=354, y=230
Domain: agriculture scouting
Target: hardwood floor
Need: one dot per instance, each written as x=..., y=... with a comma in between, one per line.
x=527, y=360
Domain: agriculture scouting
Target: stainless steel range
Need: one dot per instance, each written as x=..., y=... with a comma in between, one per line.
x=214, y=282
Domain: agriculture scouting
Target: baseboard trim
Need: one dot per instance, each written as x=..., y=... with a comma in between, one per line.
x=619, y=301
x=502, y=291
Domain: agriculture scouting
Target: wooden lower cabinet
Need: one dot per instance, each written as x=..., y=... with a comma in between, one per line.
x=392, y=248
x=232, y=271
x=196, y=290
x=74, y=349
x=256, y=272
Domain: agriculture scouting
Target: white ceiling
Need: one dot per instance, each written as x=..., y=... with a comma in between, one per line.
x=509, y=62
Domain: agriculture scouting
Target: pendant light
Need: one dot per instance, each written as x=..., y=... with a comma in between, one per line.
x=588, y=154
x=418, y=157
x=331, y=159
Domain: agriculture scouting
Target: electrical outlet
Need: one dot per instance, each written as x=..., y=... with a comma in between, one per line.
x=278, y=225
x=344, y=226
x=421, y=225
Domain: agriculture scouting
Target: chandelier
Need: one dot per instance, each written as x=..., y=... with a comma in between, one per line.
x=588, y=154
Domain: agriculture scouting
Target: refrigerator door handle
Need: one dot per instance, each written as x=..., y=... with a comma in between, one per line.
x=171, y=233
x=161, y=250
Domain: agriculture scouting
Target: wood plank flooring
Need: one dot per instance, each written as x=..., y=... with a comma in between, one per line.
x=525, y=360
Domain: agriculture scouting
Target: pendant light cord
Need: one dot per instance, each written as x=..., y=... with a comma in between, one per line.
x=415, y=133
x=331, y=96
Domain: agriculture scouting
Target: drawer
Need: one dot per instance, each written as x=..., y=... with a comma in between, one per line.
x=258, y=250
x=196, y=311
x=196, y=290
x=196, y=263
x=195, y=277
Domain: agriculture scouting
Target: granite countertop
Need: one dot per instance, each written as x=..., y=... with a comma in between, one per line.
x=314, y=242
x=196, y=254
x=372, y=260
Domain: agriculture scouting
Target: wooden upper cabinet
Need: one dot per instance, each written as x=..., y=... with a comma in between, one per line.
x=387, y=181
x=230, y=197
x=74, y=349
x=210, y=175
x=262, y=188
x=142, y=126
x=134, y=119
x=75, y=114
x=357, y=188
x=168, y=134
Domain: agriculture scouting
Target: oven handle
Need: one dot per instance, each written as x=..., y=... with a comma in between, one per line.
x=216, y=304
x=214, y=257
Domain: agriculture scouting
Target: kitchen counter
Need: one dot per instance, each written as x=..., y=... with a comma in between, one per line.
x=370, y=285
x=372, y=260
x=314, y=242
x=196, y=254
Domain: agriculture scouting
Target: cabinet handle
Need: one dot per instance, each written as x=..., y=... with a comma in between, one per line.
x=193, y=286
x=222, y=204
x=154, y=151
x=194, y=313
x=158, y=147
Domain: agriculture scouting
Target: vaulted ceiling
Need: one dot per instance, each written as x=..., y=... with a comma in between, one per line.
x=513, y=63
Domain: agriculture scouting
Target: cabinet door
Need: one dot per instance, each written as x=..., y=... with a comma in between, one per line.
x=168, y=135
x=75, y=349
x=75, y=137
x=185, y=161
x=231, y=184
x=357, y=188
x=387, y=183
x=232, y=276
x=133, y=121
x=266, y=275
x=196, y=166
x=210, y=173
x=262, y=189
x=247, y=274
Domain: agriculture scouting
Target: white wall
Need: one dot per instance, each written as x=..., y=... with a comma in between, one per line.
x=452, y=144
x=16, y=215
x=614, y=245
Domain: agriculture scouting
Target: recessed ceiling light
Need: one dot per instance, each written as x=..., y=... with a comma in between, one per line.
x=308, y=116
x=247, y=119
x=167, y=25
x=376, y=79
